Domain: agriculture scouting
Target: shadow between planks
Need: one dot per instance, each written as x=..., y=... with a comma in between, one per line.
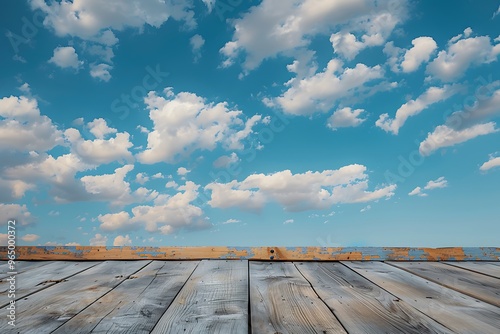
x=241, y=296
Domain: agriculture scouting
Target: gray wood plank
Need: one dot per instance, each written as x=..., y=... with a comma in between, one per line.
x=361, y=306
x=47, y=309
x=213, y=300
x=283, y=301
x=486, y=268
x=453, y=309
x=41, y=277
x=473, y=284
x=136, y=304
x=21, y=267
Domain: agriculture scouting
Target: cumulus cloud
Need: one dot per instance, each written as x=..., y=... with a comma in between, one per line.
x=15, y=211
x=168, y=214
x=298, y=192
x=114, y=189
x=461, y=54
x=122, y=241
x=272, y=28
x=66, y=57
x=421, y=52
x=491, y=163
x=466, y=124
x=413, y=107
x=288, y=221
x=226, y=160
x=231, y=221
x=185, y=122
x=30, y=237
x=23, y=128
x=441, y=182
x=345, y=117
x=196, y=42
x=182, y=171
x=101, y=71
x=98, y=240
x=141, y=178
x=320, y=92
x=100, y=151
x=444, y=136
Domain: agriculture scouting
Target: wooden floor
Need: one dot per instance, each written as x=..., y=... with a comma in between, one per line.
x=239, y=296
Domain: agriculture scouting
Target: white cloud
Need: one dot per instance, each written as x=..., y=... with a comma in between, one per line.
x=171, y=184
x=141, y=178
x=158, y=176
x=231, y=221
x=184, y=123
x=366, y=208
x=210, y=4
x=414, y=107
x=273, y=28
x=441, y=182
x=101, y=71
x=72, y=244
x=25, y=88
x=444, y=136
x=3, y=239
x=345, y=117
x=89, y=20
x=322, y=91
x=491, y=163
x=417, y=191
x=421, y=52
x=298, y=192
x=288, y=221
x=495, y=14
x=15, y=211
x=23, y=128
x=182, y=171
x=30, y=237
x=114, y=189
x=169, y=214
x=98, y=240
x=66, y=57
x=99, y=128
x=122, y=241
x=461, y=54
x=226, y=160
x=197, y=42
x=100, y=151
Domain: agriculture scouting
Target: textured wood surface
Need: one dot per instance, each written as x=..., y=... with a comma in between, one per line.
x=20, y=267
x=213, y=300
x=41, y=277
x=479, y=286
x=282, y=301
x=362, y=306
x=459, y=312
x=486, y=268
x=254, y=253
x=48, y=309
x=151, y=289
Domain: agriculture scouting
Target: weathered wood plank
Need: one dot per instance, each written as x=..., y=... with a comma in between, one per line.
x=283, y=301
x=485, y=268
x=21, y=267
x=40, y=278
x=254, y=253
x=47, y=309
x=454, y=310
x=136, y=304
x=361, y=306
x=473, y=284
x=213, y=300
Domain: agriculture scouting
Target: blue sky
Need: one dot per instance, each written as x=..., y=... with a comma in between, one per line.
x=250, y=123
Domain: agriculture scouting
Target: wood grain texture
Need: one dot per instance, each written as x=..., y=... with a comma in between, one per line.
x=361, y=306
x=136, y=304
x=485, y=268
x=21, y=267
x=42, y=277
x=47, y=309
x=283, y=301
x=213, y=300
x=470, y=283
x=454, y=310
x=254, y=253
